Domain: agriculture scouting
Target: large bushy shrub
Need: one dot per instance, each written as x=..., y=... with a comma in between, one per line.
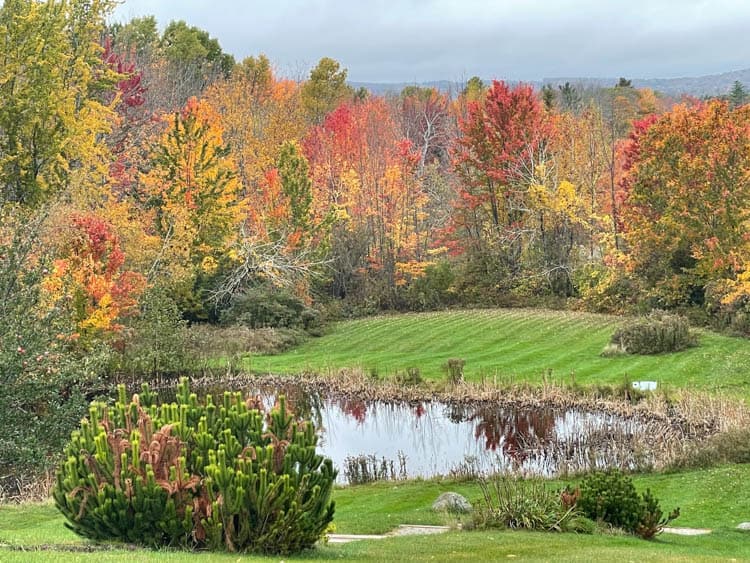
x=196, y=474
x=656, y=333
x=611, y=497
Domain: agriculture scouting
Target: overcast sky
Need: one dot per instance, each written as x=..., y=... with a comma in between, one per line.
x=421, y=40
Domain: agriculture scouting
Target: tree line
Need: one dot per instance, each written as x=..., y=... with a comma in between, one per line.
x=157, y=160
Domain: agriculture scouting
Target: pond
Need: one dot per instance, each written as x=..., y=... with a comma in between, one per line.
x=379, y=439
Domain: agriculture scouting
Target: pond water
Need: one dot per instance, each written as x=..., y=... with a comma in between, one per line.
x=432, y=438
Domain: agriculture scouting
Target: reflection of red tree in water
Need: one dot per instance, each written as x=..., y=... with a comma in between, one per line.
x=419, y=410
x=511, y=428
x=356, y=408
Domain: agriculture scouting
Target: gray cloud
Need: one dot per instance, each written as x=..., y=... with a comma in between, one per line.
x=420, y=40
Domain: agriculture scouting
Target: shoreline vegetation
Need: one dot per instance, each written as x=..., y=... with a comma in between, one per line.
x=697, y=413
x=686, y=418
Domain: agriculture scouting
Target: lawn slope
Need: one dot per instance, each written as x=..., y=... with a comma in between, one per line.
x=513, y=345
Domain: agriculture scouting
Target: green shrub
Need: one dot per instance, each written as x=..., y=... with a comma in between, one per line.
x=611, y=497
x=524, y=503
x=264, y=307
x=156, y=340
x=655, y=333
x=604, y=289
x=196, y=474
x=433, y=290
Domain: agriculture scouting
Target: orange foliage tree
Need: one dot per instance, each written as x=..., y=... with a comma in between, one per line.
x=258, y=114
x=365, y=170
x=193, y=191
x=88, y=277
x=687, y=213
x=502, y=141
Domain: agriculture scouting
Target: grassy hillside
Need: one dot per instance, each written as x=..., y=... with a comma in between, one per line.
x=513, y=345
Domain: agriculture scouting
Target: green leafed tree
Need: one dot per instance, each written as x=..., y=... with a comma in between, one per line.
x=190, y=45
x=256, y=72
x=325, y=89
x=139, y=35
x=475, y=89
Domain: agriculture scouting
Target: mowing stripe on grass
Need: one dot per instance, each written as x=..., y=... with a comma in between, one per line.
x=518, y=343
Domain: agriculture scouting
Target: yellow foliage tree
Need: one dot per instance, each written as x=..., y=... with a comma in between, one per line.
x=193, y=193
x=52, y=121
x=258, y=114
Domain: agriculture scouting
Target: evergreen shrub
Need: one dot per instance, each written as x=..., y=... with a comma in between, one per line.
x=610, y=497
x=198, y=474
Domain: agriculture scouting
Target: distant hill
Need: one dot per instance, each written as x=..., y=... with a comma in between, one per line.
x=709, y=85
x=380, y=88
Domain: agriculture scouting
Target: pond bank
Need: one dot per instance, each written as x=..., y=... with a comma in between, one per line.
x=383, y=430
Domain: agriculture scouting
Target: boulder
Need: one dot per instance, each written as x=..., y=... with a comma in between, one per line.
x=452, y=502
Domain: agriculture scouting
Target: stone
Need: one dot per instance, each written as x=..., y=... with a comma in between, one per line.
x=744, y=526
x=452, y=502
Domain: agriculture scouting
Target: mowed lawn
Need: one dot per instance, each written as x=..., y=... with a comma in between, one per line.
x=512, y=345
x=717, y=499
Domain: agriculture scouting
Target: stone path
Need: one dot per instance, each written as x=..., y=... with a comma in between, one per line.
x=402, y=530
x=687, y=531
x=419, y=530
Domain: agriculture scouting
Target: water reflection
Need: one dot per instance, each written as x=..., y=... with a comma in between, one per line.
x=438, y=437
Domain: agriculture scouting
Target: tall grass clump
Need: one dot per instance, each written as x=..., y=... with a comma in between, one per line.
x=524, y=504
x=454, y=370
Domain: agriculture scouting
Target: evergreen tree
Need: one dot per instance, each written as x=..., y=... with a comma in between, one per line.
x=296, y=185
x=570, y=99
x=737, y=95
x=548, y=97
